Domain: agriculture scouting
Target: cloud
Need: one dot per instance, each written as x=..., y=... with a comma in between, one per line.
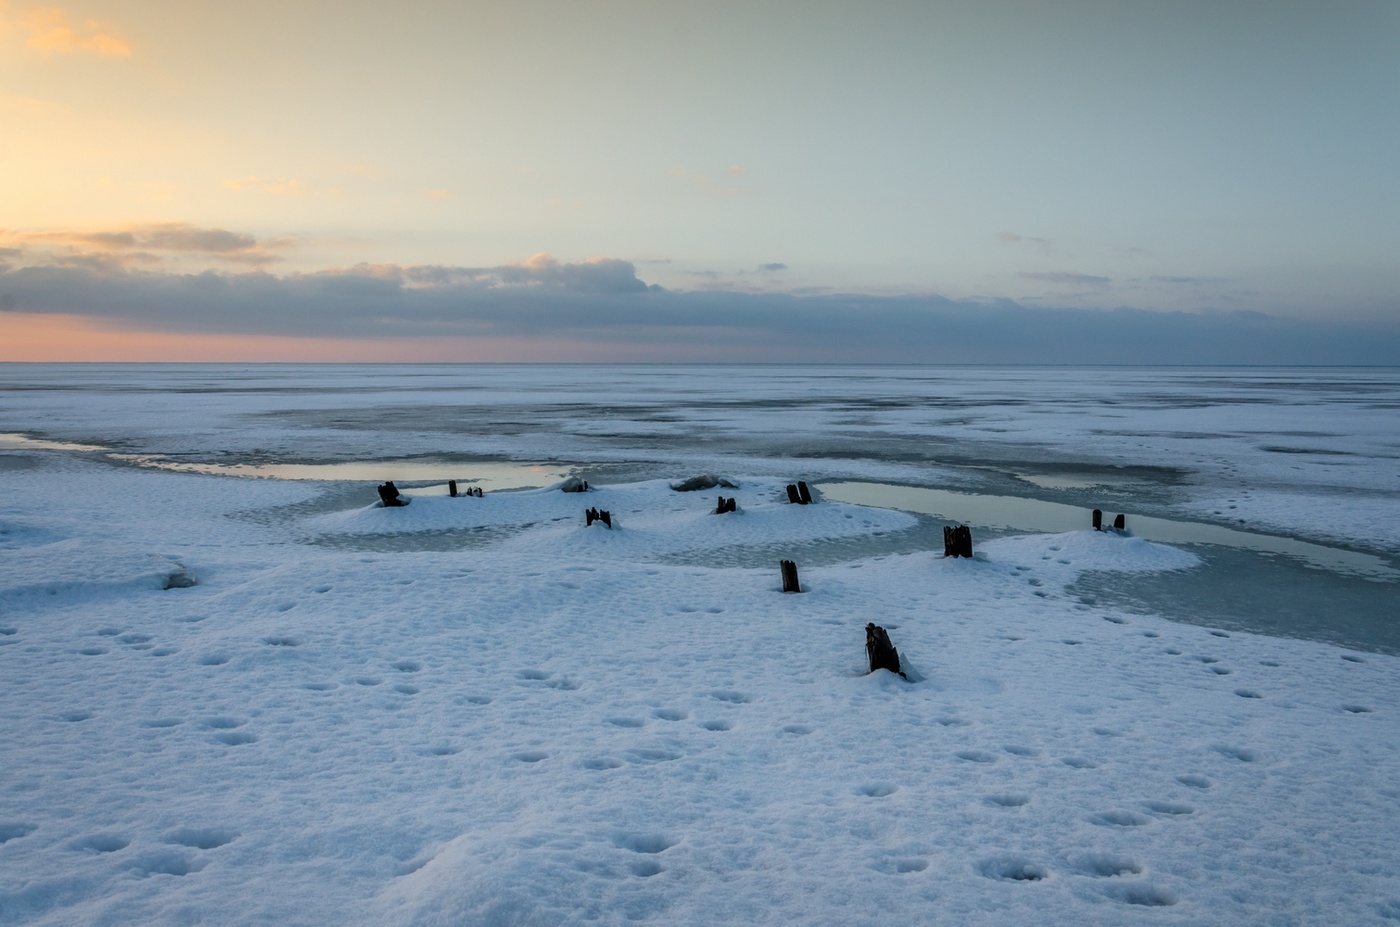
x=602, y=306
x=1043, y=245
x=147, y=244
x=1060, y=278
x=771, y=268
x=48, y=29
x=736, y=170
x=1189, y=281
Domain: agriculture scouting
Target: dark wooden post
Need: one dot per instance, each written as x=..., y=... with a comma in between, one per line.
x=793, y=496
x=727, y=505
x=882, y=653
x=452, y=488
x=1120, y=522
x=789, y=571
x=957, y=541
x=804, y=493
x=605, y=517
x=389, y=495
x=590, y=516
x=1098, y=519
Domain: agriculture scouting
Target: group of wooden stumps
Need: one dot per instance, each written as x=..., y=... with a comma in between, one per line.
x=882, y=654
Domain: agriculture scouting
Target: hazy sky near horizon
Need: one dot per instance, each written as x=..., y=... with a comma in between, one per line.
x=526, y=176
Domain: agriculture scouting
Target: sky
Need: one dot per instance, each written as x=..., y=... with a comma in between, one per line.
x=1005, y=181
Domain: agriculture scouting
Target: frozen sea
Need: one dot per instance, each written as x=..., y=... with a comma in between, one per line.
x=236, y=690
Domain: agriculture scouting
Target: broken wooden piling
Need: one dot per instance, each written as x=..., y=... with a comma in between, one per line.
x=727, y=505
x=881, y=652
x=1098, y=519
x=789, y=571
x=1120, y=523
x=793, y=495
x=452, y=488
x=803, y=493
x=389, y=495
x=592, y=515
x=957, y=541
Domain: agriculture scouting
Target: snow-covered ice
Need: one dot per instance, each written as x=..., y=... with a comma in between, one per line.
x=248, y=701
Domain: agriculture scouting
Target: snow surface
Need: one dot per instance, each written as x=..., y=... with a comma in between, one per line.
x=560, y=724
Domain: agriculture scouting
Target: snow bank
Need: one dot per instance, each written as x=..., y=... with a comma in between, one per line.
x=562, y=728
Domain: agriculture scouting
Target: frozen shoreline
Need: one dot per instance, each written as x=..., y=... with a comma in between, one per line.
x=562, y=724
x=560, y=728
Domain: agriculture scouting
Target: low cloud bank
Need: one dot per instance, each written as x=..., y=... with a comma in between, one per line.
x=603, y=302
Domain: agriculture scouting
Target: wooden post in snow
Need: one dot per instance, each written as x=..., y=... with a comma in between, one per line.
x=789, y=571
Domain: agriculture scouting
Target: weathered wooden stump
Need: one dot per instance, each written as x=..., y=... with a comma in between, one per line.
x=389, y=495
x=803, y=493
x=593, y=515
x=1098, y=519
x=452, y=488
x=476, y=491
x=882, y=653
x=957, y=541
x=793, y=495
x=1120, y=522
x=727, y=505
x=789, y=571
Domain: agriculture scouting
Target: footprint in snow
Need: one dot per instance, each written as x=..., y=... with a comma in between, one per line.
x=100, y=843
x=14, y=830
x=235, y=738
x=728, y=695
x=1148, y=896
x=407, y=666
x=976, y=756
x=670, y=714
x=1119, y=819
x=1008, y=800
x=1171, y=809
x=1105, y=865
x=877, y=790
x=165, y=862
x=1012, y=869
x=200, y=838
x=1191, y=780
x=1356, y=709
